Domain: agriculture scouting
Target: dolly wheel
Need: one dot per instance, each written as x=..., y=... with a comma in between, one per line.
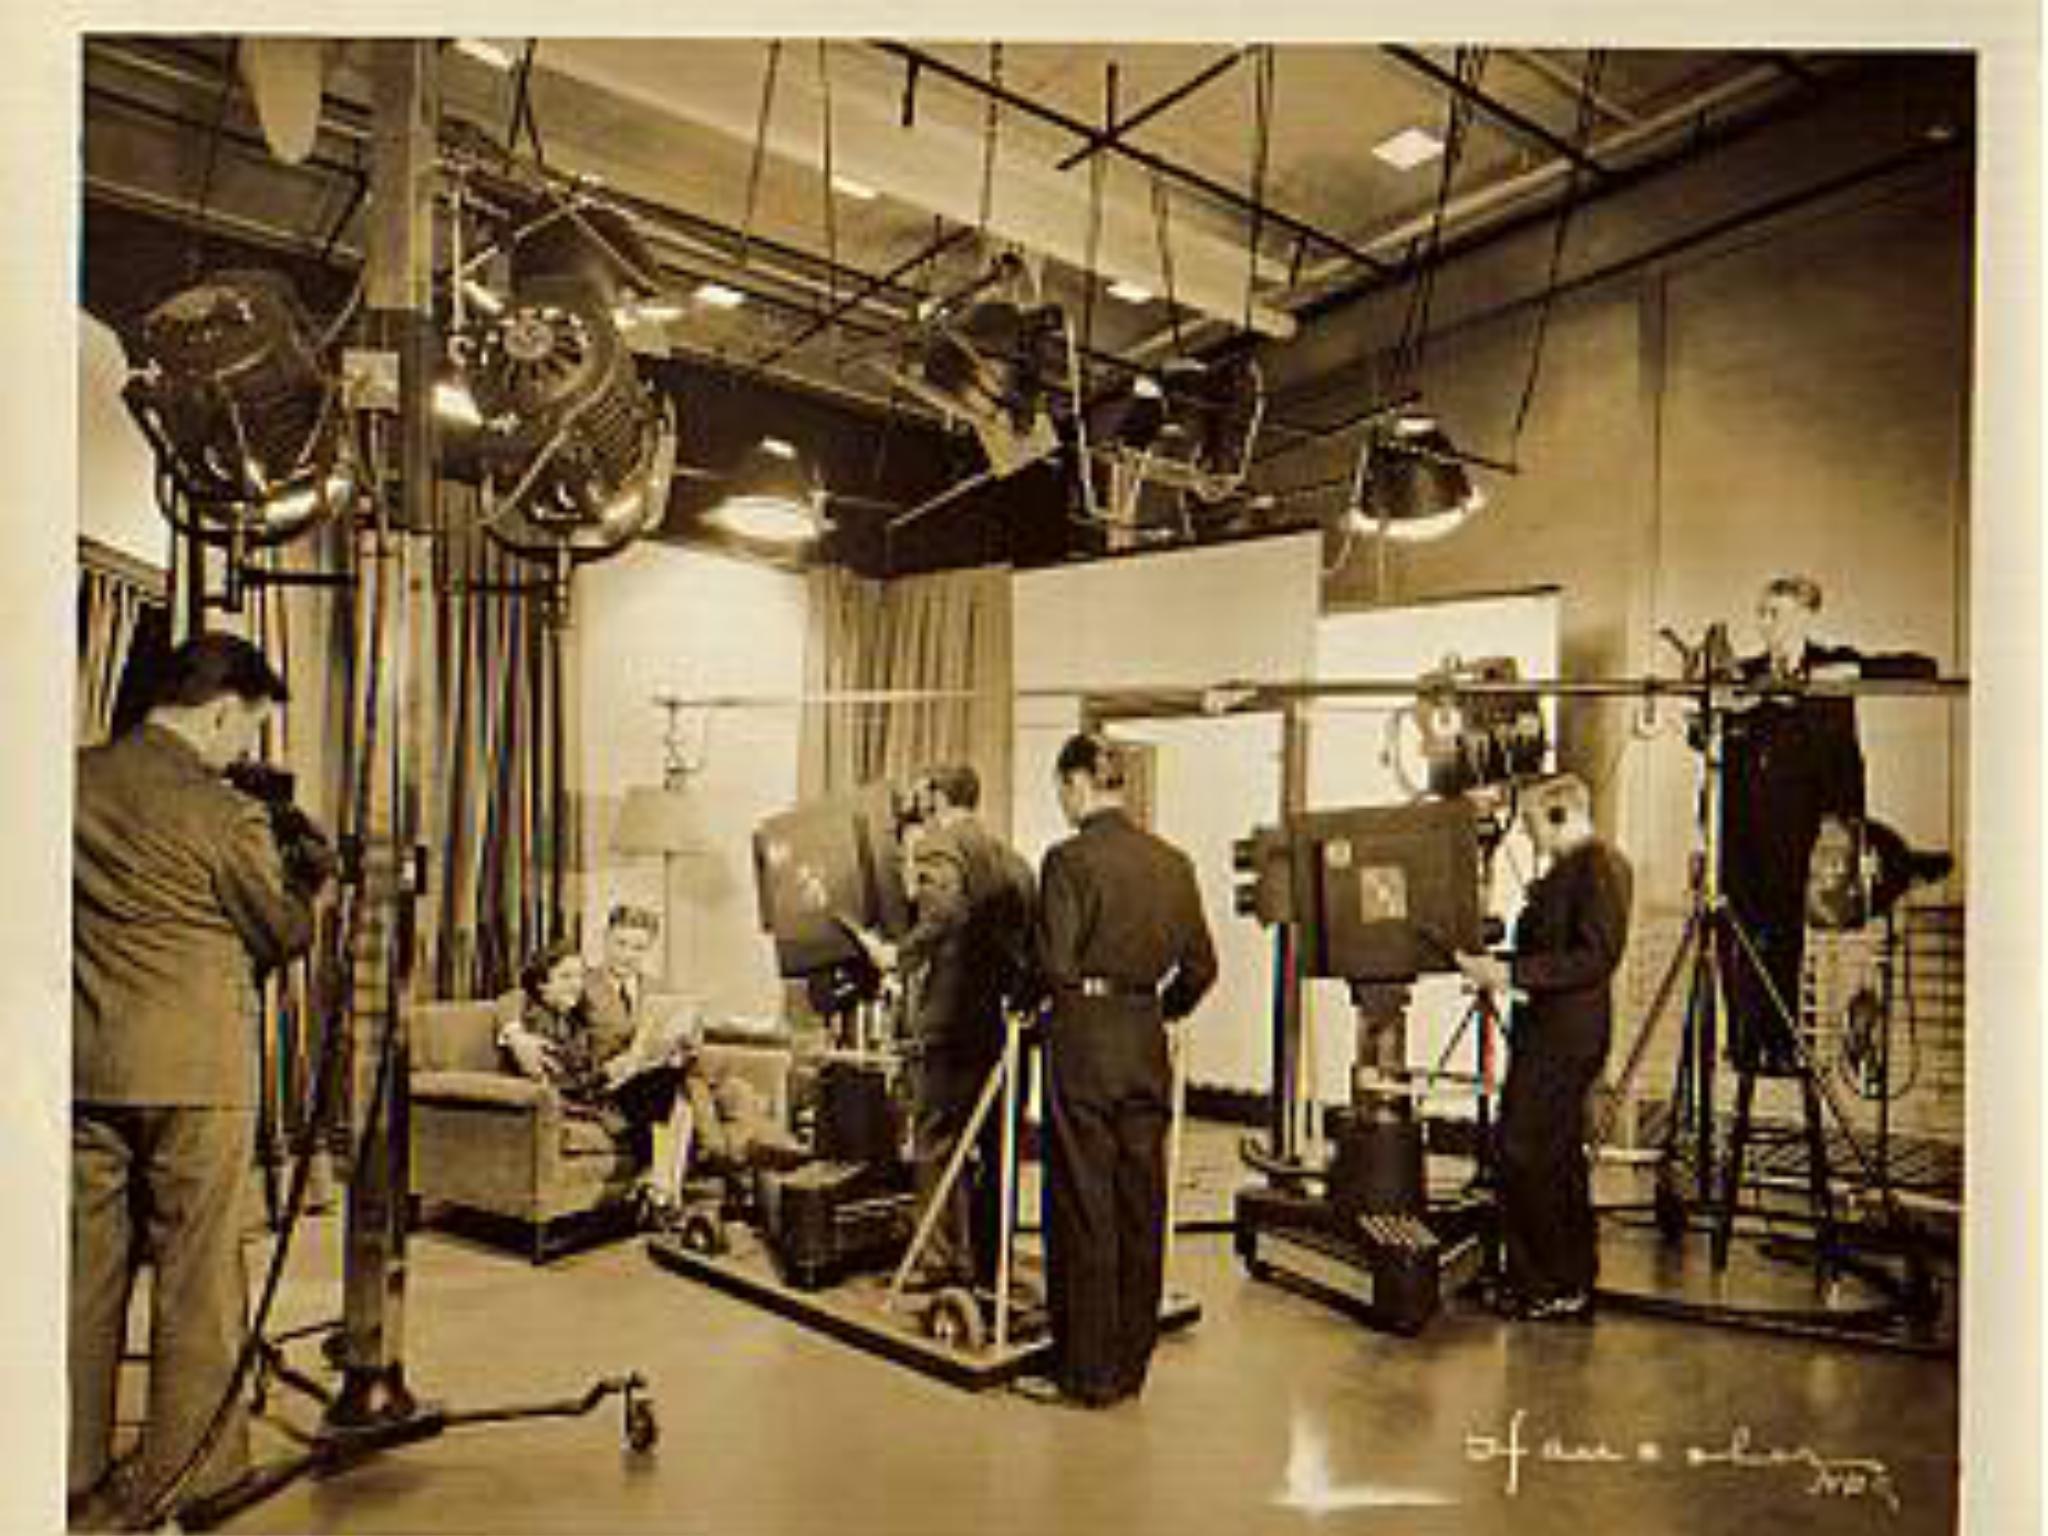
x=955, y=1319
x=703, y=1233
x=643, y=1430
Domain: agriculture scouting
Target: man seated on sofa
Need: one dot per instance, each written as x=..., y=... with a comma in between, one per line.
x=594, y=1032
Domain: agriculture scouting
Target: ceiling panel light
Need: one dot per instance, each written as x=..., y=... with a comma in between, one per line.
x=1409, y=148
x=718, y=296
x=1129, y=292
x=859, y=191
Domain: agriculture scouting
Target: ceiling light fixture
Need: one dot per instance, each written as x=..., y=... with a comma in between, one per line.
x=1409, y=148
x=859, y=191
x=773, y=497
x=1410, y=483
x=1129, y=292
x=718, y=296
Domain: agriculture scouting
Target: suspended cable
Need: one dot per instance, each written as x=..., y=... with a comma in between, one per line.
x=201, y=245
x=1161, y=221
x=1470, y=69
x=1262, y=145
x=1095, y=192
x=989, y=133
x=1582, y=134
x=760, y=149
x=831, y=212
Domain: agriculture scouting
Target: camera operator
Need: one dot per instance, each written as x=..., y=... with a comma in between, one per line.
x=1567, y=943
x=181, y=895
x=968, y=951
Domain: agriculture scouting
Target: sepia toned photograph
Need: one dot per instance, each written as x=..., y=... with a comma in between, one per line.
x=889, y=784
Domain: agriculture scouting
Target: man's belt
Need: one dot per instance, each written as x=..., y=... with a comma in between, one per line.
x=1104, y=986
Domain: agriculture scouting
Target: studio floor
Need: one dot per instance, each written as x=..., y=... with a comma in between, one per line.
x=1273, y=1414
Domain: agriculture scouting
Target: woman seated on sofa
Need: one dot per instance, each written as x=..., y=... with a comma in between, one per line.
x=646, y=1084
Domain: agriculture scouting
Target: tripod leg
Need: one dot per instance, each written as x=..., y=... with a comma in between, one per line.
x=1731, y=1183
x=1817, y=1181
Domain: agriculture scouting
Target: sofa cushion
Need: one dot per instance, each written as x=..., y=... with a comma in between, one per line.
x=460, y=1037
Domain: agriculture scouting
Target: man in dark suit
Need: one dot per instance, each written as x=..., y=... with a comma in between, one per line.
x=1790, y=761
x=1124, y=952
x=967, y=954
x=1568, y=942
x=180, y=896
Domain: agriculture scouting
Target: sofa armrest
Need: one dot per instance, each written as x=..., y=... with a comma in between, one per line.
x=492, y=1089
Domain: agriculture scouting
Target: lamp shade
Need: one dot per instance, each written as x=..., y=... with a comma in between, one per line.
x=655, y=820
x=1413, y=481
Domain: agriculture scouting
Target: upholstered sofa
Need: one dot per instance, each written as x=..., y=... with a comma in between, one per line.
x=490, y=1143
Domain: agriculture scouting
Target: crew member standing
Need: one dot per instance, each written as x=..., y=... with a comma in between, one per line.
x=967, y=954
x=1567, y=943
x=1124, y=951
x=1790, y=760
x=180, y=896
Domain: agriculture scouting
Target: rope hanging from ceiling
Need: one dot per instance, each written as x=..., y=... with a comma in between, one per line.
x=760, y=148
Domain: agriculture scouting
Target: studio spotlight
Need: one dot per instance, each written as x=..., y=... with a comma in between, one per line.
x=575, y=452
x=1411, y=482
x=988, y=360
x=244, y=418
x=1190, y=427
x=773, y=497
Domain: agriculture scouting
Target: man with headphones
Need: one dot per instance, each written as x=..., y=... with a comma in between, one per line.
x=1568, y=942
x=1125, y=953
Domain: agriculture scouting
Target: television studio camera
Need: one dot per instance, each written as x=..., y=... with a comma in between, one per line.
x=826, y=873
x=1377, y=897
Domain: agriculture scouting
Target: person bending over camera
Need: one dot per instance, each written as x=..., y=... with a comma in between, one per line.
x=181, y=895
x=1567, y=943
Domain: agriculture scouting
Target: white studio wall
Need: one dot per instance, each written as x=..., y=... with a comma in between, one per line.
x=1188, y=618
x=116, y=472
x=655, y=620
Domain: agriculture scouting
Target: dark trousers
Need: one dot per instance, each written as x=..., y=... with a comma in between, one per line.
x=1108, y=1102
x=175, y=1178
x=1760, y=1030
x=1546, y=1201
x=963, y=1242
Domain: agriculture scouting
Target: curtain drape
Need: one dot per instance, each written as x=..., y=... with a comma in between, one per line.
x=489, y=748
x=497, y=770
x=115, y=597
x=948, y=634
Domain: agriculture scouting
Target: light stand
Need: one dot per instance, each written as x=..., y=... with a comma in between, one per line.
x=663, y=820
x=374, y=1409
x=1713, y=939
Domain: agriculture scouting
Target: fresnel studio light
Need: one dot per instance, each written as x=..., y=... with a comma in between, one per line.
x=228, y=384
x=547, y=413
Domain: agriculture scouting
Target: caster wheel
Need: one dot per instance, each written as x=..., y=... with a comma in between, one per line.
x=704, y=1234
x=955, y=1320
x=643, y=1429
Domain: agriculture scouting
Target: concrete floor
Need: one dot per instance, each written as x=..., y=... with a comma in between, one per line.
x=1272, y=1415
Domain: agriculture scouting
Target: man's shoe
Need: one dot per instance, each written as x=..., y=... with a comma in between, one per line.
x=1050, y=1393
x=1565, y=1307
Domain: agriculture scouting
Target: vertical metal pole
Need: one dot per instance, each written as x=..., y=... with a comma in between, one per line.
x=399, y=295
x=1289, y=995
x=1714, y=1013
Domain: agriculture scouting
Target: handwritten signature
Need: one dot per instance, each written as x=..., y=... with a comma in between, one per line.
x=1839, y=1477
